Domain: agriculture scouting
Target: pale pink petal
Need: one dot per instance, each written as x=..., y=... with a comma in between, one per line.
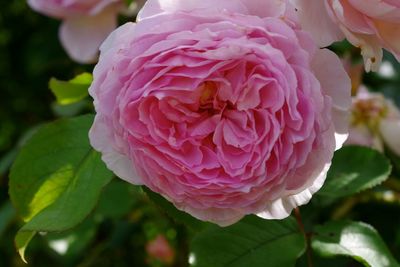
x=376, y=8
x=390, y=34
x=282, y=207
x=360, y=135
x=262, y=8
x=82, y=36
x=314, y=18
x=371, y=48
x=390, y=130
x=155, y=7
x=336, y=83
x=120, y=164
x=118, y=35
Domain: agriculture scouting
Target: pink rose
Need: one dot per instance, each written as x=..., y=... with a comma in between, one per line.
x=375, y=122
x=86, y=24
x=226, y=108
x=368, y=24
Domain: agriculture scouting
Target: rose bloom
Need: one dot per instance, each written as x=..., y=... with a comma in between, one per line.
x=86, y=24
x=368, y=24
x=225, y=108
x=375, y=122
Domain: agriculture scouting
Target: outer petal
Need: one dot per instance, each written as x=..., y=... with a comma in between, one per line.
x=154, y=7
x=390, y=34
x=222, y=217
x=39, y=7
x=82, y=36
x=371, y=48
x=314, y=18
x=390, y=130
x=377, y=9
x=336, y=83
x=121, y=165
x=281, y=208
x=262, y=8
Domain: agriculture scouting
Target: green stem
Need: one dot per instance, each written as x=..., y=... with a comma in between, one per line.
x=307, y=236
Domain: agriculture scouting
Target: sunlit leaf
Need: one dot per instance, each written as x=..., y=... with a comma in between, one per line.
x=354, y=239
x=69, y=92
x=354, y=169
x=57, y=177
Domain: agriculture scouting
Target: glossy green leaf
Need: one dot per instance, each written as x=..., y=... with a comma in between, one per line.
x=355, y=169
x=174, y=213
x=22, y=240
x=69, y=92
x=57, y=177
x=354, y=239
x=251, y=242
x=117, y=199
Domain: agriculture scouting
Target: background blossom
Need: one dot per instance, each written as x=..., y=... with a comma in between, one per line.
x=375, y=122
x=86, y=24
x=368, y=24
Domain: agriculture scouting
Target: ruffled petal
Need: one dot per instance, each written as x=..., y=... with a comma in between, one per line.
x=282, y=207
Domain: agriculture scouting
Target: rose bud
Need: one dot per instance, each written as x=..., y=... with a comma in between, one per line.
x=161, y=250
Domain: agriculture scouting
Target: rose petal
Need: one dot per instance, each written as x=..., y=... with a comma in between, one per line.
x=315, y=19
x=390, y=130
x=82, y=36
x=336, y=83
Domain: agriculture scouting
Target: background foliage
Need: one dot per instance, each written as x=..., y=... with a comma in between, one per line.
x=115, y=229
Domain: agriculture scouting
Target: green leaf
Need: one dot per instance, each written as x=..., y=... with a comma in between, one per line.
x=22, y=240
x=70, y=110
x=117, y=199
x=57, y=177
x=7, y=160
x=354, y=239
x=251, y=242
x=174, y=213
x=354, y=169
x=71, y=91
